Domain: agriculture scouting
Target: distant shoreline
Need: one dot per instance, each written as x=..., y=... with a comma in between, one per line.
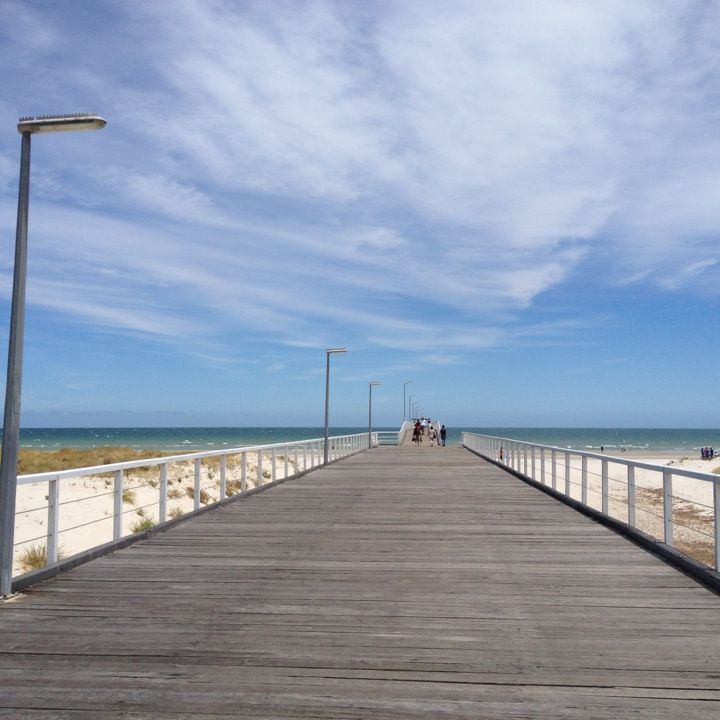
x=638, y=442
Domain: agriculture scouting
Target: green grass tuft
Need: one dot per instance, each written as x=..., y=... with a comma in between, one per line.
x=129, y=496
x=35, y=557
x=142, y=525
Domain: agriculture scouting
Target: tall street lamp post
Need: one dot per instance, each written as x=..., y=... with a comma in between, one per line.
x=328, y=353
x=371, y=385
x=405, y=384
x=11, y=423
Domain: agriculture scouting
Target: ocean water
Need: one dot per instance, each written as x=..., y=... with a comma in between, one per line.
x=187, y=439
x=171, y=439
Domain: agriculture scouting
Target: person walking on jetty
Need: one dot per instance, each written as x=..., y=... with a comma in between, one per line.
x=443, y=435
x=432, y=436
x=416, y=433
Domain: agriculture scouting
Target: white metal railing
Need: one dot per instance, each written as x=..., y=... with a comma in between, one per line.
x=678, y=507
x=68, y=512
x=392, y=437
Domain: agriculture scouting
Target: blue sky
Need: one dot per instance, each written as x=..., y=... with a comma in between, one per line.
x=514, y=205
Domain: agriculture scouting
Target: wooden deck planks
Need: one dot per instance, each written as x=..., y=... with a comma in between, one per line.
x=403, y=583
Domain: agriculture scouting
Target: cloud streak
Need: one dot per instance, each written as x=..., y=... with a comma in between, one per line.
x=414, y=176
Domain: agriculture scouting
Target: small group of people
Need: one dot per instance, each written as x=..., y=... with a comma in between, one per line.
x=425, y=427
x=707, y=453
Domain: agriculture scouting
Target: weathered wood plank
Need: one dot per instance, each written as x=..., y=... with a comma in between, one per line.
x=402, y=583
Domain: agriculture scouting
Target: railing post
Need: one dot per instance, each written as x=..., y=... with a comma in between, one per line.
x=163, y=492
x=605, y=497
x=553, y=455
x=53, y=520
x=583, y=480
x=532, y=461
x=295, y=458
x=716, y=503
x=631, y=495
x=667, y=508
x=223, y=480
x=542, y=465
x=567, y=474
x=117, y=505
x=243, y=472
x=259, y=480
x=525, y=460
x=273, y=460
x=304, y=449
x=287, y=453
x=198, y=471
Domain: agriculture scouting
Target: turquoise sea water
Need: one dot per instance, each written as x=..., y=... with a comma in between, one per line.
x=646, y=440
x=172, y=439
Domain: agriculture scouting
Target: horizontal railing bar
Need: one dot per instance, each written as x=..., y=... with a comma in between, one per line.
x=151, y=462
x=615, y=459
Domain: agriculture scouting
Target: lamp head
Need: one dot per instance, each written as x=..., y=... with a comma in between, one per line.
x=332, y=351
x=60, y=123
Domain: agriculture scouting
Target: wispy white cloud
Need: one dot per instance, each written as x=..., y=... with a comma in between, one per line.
x=304, y=169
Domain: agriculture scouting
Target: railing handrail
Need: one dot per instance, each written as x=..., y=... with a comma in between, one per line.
x=151, y=462
x=696, y=474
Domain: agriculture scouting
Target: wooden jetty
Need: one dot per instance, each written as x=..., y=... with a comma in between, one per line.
x=405, y=582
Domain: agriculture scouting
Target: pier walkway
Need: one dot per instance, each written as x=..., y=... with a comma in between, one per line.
x=404, y=582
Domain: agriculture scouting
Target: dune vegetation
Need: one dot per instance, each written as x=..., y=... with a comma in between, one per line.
x=32, y=461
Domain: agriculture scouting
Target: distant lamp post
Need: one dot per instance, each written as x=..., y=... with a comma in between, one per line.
x=328, y=353
x=11, y=425
x=371, y=385
x=405, y=384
